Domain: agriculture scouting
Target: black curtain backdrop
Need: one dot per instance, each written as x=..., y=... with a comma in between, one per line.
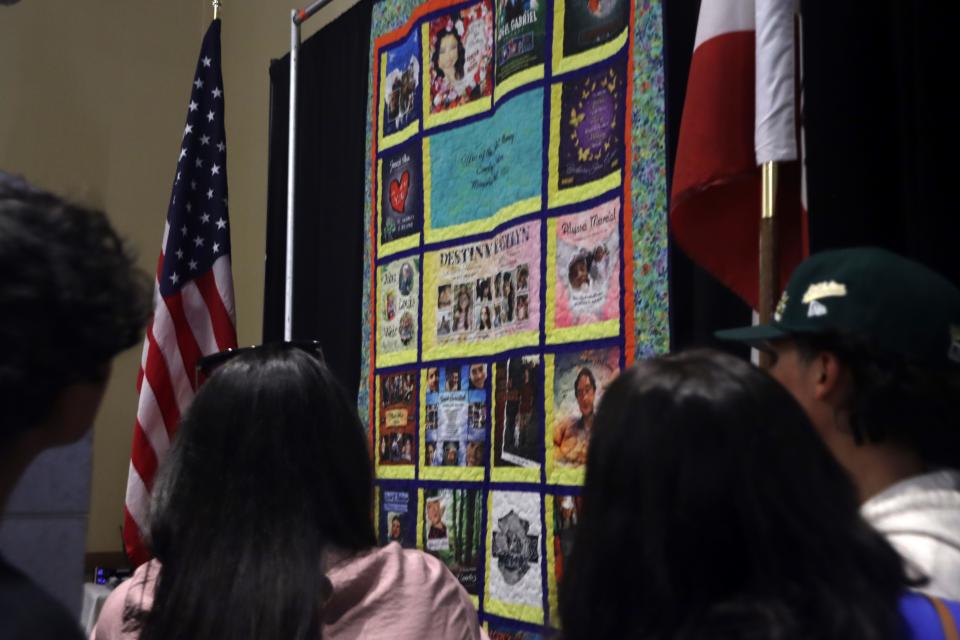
x=329, y=234
x=881, y=123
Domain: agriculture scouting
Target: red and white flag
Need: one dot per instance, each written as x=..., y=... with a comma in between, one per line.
x=740, y=111
x=193, y=299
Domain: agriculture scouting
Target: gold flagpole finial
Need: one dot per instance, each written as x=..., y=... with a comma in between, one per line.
x=216, y=9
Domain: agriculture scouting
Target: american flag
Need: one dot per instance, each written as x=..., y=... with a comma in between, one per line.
x=193, y=299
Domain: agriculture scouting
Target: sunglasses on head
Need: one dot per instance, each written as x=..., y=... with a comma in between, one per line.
x=208, y=364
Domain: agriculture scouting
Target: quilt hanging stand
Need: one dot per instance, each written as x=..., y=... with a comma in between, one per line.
x=297, y=18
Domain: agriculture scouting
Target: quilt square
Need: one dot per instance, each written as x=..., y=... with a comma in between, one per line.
x=514, y=577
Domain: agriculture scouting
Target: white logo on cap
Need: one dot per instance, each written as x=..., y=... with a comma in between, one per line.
x=821, y=290
x=816, y=309
x=781, y=307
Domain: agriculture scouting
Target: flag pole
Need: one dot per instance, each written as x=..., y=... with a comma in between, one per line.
x=297, y=17
x=769, y=251
x=216, y=9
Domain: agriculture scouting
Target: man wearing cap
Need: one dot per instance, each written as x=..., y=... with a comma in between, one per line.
x=869, y=344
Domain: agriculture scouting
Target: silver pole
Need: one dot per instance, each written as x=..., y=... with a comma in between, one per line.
x=305, y=14
x=297, y=17
x=291, y=175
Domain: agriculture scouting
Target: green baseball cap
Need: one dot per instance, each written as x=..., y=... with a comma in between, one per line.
x=901, y=306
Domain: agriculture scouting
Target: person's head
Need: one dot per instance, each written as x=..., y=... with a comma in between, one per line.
x=474, y=454
x=522, y=310
x=478, y=375
x=406, y=278
x=463, y=299
x=453, y=378
x=449, y=55
x=406, y=327
x=395, y=528
x=269, y=468
x=738, y=520
x=579, y=272
x=585, y=390
x=868, y=343
x=451, y=453
x=431, y=450
x=485, y=316
x=433, y=379
x=435, y=511
x=71, y=298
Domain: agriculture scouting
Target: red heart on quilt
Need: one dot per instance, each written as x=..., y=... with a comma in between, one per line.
x=399, y=190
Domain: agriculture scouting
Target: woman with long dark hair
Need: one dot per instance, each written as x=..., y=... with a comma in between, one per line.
x=712, y=510
x=261, y=523
x=448, y=86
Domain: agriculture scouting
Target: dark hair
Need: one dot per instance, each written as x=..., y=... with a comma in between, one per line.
x=461, y=53
x=71, y=298
x=269, y=469
x=578, y=259
x=713, y=510
x=892, y=398
x=509, y=298
x=585, y=373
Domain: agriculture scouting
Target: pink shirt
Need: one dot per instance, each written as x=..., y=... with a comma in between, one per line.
x=388, y=593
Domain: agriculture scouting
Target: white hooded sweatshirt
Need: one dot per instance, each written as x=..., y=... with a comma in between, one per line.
x=920, y=517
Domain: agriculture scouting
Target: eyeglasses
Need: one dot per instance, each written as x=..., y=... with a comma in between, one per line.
x=208, y=364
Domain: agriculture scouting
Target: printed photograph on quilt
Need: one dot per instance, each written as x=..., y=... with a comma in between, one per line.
x=398, y=298
x=489, y=289
x=397, y=517
x=401, y=85
x=589, y=23
x=579, y=380
x=397, y=413
x=521, y=33
x=518, y=413
x=452, y=523
x=461, y=56
x=586, y=281
x=456, y=415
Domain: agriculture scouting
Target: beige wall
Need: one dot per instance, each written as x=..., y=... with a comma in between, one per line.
x=92, y=103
